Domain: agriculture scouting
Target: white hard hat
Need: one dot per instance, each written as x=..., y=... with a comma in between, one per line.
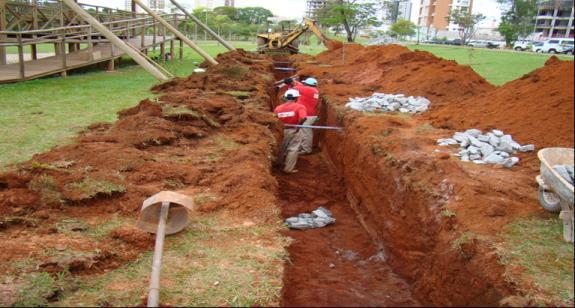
x=291, y=94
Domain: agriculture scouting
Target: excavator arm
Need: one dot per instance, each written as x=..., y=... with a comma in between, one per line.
x=279, y=41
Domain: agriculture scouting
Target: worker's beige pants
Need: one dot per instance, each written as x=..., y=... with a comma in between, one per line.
x=290, y=148
x=307, y=136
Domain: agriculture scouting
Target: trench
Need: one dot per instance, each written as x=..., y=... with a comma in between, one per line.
x=388, y=246
x=338, y=265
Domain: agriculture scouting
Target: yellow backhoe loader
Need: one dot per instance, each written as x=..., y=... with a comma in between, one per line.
x=287, y=41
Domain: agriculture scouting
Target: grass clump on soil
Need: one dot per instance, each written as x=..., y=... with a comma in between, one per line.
x=90, y=188
x=214, y=262
x=235, y=72
x=169, y=110
x=538, y=247
x=45, y=186
x=447, y=213
x=38, y=289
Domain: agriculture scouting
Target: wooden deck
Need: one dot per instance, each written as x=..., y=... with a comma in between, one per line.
x=81, y=58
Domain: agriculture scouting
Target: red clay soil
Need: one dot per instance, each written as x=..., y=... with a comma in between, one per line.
x=537, y=108
x=392, y=69
x=400, y=182
x=200, y=137
x=335, y=266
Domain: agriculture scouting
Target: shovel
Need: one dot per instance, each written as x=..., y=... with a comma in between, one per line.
x=164, y=213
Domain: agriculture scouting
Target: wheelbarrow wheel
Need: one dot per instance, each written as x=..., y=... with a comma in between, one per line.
x=549, y=201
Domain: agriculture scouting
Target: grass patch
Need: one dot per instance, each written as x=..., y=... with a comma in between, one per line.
x=39, y=289
x=447, y=213
x=45, y=186
x=497, y=66
x=423, y=128
x=169, y=110
x=465, y=238
x=538, y=247
x=90, y=187
x=214, y=262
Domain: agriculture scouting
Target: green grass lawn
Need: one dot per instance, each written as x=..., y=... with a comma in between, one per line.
x=498, y=67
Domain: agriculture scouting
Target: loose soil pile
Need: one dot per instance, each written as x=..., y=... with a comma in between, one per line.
x=209, y=136
x=392, y=69
x=437, y=218
x=537, y=108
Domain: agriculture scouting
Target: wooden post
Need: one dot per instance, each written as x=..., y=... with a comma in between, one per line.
x=21, y=56
x=201, y=24
x=33, y=49
x=2, y=28
x=181, y=50
x=114, y=40
x=111, y=65
x=90, y=44
x=171, y=50
x=63, y=54
x=163, y=52
x=176, y=33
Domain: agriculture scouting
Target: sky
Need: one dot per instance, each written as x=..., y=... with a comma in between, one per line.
x=296, y=8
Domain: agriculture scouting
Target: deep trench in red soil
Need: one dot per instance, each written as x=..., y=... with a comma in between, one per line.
x=338, y=265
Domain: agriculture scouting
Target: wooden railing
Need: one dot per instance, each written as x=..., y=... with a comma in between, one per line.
x=138, y=27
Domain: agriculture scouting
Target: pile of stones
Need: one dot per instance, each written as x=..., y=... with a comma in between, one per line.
x=566, y=172
x=382, y=102
x=494, y=147
x=317, y=219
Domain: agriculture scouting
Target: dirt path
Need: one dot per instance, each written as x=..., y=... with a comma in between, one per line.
x=337, y=265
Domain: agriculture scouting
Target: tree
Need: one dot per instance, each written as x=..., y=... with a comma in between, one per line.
x=518, y=19
x=391, y=11
x=229, y=11
x=466, y=22
x=352, y=15
x=253, y=15
x=403, y=28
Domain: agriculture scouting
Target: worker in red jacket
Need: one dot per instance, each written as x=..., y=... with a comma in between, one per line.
x=310, y=99
x=291, y=112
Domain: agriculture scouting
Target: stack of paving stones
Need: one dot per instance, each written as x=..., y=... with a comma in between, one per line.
x=317, y=219
x=381, y=102
x=566, y=172
x=494, y=147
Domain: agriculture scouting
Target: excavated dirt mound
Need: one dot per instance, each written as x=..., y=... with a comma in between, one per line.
x=537, y=108
x=209, y=135
x=392, y=69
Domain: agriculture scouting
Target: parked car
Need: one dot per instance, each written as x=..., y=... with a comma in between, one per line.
x=556, y=45
x=522, y=45
x=536, y=47
x=478, y=43
x=493, y=45
x=454, y=42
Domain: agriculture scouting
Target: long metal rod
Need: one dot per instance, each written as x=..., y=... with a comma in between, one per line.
x=114, y=40
x=314, y=127
x=177, y=33
x=203, y=26
x=154, y=293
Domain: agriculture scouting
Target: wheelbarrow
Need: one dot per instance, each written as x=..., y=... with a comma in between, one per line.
x=555, y=192
x=164, y=213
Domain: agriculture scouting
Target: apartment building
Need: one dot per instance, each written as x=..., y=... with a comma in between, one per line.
x=433, y=14
x=231, y=3
x=554, y=18
x=393, y=10
x=313, y=6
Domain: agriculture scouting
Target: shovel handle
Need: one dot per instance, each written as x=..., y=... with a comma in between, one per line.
x=154, y=293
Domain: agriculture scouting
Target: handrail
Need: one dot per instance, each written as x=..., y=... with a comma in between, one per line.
x=87, y=26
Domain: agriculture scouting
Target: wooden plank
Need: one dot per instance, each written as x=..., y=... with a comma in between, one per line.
x=177, y=33
x=115, y=40
x=2, y=28
x=21, y=57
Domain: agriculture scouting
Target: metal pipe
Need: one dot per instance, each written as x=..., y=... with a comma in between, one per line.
x=205, y=27
x=154, y=293
x=176, y=33
x=315, y=127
